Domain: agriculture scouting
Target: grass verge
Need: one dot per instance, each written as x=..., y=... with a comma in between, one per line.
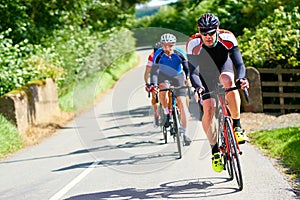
x=10, y=140
x=282, y=144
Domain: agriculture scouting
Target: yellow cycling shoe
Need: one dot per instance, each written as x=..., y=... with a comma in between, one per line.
x=217, y=164
x=240, y=135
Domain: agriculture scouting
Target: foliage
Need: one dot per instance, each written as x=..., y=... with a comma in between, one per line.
x=234, y=15
x=37, y=19
x=10, y=139
x=283, y=143
x=276, y=40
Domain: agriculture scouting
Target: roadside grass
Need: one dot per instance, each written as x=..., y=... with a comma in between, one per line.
x=83, y=96
x=89, y=90
x=10, y=140
x=284, y=144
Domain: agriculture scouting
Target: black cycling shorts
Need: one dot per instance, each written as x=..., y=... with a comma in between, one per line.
x=176, y=81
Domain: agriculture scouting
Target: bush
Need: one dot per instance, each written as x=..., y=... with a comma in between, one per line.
x=274, y=41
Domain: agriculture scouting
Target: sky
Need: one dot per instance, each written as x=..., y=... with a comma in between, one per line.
x=156, y=3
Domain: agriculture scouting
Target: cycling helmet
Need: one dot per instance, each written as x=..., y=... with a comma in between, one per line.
x=156, y=46
x=208, y=22
x=168, y=38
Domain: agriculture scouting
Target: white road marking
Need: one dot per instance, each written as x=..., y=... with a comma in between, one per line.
x=76, y=180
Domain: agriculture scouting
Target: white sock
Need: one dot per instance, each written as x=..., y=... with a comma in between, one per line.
x=184, y=131
x=166, y=111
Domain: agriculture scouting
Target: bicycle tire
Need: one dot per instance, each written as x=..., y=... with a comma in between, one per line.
x=234, y=154
x=176, y=125
x=222, y=141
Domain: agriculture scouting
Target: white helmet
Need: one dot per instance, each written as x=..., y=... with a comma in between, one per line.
x=168, y=38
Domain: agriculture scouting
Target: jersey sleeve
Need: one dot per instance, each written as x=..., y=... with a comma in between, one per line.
x=150, y=60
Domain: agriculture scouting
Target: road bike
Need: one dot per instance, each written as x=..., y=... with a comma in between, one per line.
x=175, y=122
x=226, y=138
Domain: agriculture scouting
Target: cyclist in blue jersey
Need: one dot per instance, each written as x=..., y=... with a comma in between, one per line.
x=213, y=53
x=170, y=66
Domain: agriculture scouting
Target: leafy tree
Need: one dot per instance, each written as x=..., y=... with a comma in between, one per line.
x=274, y=41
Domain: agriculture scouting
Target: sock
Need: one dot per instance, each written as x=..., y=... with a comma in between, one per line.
x=184, y=131
x=214, y=149
x=166, y=111
x=236, y=123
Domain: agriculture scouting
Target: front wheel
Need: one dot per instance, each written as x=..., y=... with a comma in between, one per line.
x=234, y=154
x=179, y=137
x=222, y=142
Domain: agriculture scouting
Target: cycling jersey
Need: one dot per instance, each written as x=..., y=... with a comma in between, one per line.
x=224, y=54
x=150, y=60
x=172, y=65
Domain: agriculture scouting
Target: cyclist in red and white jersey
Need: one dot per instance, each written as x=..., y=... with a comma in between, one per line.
x=148, y=87
x=212, y=53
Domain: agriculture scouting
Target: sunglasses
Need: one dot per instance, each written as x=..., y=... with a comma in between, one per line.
x=209, y=33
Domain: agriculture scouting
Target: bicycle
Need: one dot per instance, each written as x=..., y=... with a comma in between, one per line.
x=226, y=138
x=174, y=119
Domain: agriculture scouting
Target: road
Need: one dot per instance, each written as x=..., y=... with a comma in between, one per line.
x=112, y=151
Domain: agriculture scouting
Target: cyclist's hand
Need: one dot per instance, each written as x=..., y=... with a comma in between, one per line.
x=242, y=83
x=154, y=88
x=148, y=87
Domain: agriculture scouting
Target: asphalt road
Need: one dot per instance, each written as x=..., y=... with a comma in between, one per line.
x=112, y=151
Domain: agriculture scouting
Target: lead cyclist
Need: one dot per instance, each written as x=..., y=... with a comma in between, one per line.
x=217, y=48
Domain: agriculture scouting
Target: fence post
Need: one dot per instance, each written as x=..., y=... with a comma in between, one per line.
x=255, y=94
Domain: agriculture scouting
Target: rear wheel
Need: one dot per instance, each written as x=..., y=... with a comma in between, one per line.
x=234, y=154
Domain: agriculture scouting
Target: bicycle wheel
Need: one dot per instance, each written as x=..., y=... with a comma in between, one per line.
x=234, y=154
x=179, y=137
x=222, y=141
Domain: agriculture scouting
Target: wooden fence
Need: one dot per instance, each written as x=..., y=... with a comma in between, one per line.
x=280, y=85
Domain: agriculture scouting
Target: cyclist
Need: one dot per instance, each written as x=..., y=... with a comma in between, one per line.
x=218, y=50
x=148, y=87
x=171, y=66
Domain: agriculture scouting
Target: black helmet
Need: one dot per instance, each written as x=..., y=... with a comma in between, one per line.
x=208, y=22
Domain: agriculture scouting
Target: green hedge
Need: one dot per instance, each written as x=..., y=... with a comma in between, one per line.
x=69, y=57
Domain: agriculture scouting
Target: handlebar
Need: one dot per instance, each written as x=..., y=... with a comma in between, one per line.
x=222, y=90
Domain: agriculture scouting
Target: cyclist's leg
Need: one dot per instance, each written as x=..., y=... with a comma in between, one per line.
x=233, y=99
x=155, y=109
x=207, y=120
x=179, y=81
x=164, y=98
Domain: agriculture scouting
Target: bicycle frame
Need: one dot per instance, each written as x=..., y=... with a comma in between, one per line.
x=222, y=102
x=175, y=115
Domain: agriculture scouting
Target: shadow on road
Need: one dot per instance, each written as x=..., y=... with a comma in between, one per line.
x=182, y=189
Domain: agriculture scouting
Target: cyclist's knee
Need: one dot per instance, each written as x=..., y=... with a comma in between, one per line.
x=227, y=79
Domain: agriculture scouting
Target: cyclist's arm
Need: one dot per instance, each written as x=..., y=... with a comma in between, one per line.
x=194, y=76
x=185, y=67
x=154, y=74
x=147, y=74
x=238, y=62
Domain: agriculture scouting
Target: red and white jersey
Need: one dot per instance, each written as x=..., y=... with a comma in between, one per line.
x=220, y=52
x=150, y=60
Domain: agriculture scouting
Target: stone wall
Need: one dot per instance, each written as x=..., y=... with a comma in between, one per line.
x=30, y=105
x=255, y=94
